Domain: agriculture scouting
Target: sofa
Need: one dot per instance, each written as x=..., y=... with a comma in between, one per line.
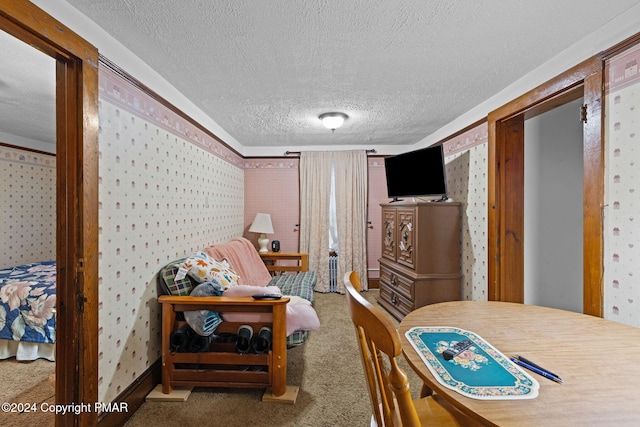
x=238, y=272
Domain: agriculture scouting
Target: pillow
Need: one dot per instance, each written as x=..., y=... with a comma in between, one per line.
x=172, y=285
x=202, y=268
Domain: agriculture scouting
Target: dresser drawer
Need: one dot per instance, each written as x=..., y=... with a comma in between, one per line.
x=390, y=298
x=397, y=282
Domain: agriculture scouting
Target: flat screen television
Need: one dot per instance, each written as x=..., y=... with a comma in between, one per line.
x=418, y=173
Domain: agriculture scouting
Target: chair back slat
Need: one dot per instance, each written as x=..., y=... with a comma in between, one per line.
x=369, y=364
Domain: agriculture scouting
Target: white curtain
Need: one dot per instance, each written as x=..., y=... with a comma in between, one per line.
x=350, y=182
x=315, y=190
x=350, y=169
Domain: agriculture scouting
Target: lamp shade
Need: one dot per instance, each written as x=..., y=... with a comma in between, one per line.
x=262, y=224
x=332, y=120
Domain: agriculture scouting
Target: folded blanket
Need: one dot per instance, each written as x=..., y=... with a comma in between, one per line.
x=244, y=259
x=300, y=314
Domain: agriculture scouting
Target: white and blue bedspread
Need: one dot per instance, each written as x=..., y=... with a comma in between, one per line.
x=27, y=302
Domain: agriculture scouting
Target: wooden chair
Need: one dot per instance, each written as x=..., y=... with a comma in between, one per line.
x=354, y=278
x=388, y=384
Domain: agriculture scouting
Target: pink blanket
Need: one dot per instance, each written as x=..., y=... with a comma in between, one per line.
x=244, y=260
x=300, y=314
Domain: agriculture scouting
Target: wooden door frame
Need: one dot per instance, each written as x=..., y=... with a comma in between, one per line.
x=76, y=201
x=506, y=182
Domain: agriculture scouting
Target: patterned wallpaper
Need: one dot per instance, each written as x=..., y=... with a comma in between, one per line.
x=163, y=194
x=466, y=163
x=28, y=206
x=622, y=189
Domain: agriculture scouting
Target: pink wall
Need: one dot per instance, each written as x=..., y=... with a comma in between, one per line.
x=377, y=195
x=272, y=186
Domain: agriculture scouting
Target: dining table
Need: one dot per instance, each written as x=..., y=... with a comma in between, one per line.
x=598, y=361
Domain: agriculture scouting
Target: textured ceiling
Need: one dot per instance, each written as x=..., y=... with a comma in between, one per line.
x=27, y=92
x=264, y=70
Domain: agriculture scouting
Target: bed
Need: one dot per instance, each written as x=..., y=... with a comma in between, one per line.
x=27, y=311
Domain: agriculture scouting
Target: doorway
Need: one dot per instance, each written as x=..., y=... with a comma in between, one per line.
x=76, y=201
x=27, y=236
x=553, y=204
x=506, y=182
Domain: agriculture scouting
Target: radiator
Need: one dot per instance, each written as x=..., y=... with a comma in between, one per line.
x=333, y=271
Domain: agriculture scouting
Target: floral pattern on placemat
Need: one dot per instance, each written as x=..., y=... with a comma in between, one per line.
x=479, y=372
x=468, y=359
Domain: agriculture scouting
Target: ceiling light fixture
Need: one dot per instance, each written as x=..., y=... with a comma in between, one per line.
x=333, y=120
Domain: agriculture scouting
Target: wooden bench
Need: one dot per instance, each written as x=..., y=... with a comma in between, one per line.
x=222, y=366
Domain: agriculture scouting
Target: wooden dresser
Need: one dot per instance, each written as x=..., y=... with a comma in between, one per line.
x=420, y=261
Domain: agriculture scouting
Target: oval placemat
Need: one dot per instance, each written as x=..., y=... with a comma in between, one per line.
x=480, y=372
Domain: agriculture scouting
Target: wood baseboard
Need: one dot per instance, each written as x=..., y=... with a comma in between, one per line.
x=132, y=398
x=374, y=283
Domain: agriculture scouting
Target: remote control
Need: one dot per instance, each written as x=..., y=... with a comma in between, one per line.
x=267, y=296
x=456, y=349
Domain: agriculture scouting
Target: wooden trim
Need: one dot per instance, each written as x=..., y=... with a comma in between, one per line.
x=31, y=150
x=67, y=285
x=511, y=163
x=506, y=216
x=572, y=78
x=555, y=101
x=133, y=397
x=620, y=47
x=87, y=253
x=76, y=200
x=460, y=132
x=593, y=195
x=494, y=200
x=506, y=181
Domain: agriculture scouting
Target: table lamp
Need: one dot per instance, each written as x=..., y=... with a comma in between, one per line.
x=262, y=224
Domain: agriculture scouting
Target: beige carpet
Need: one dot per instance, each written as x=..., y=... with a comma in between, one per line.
x=327, y=368
x=30, y=404
x=17, y=377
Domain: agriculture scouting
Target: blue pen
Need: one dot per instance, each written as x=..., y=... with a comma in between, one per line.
x=535, y=365
x=536, y=370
